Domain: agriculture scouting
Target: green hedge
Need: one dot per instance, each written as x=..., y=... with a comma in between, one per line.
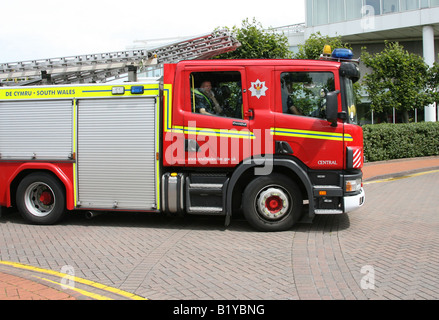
x=396, y=141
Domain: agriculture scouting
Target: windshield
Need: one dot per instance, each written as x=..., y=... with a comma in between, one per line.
x=350, y=101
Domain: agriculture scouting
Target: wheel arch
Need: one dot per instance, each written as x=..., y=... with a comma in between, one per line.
x=26, y=169
x=288, y=167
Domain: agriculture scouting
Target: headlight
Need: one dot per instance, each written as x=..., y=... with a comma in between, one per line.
x=353, y=185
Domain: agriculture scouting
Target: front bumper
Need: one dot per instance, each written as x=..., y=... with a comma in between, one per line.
x=354, y=202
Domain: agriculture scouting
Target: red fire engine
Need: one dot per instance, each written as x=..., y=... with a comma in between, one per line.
x=275, y=139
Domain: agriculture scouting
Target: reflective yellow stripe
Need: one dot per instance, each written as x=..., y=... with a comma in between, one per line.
x=244, y=134
x=167, y=92
x=60, y=92
x=157, y=152
x=75, y=173
x=167, y=96
x=321, y=135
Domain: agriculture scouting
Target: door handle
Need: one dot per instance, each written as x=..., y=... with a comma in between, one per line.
x=249, y=114
x=239, y=124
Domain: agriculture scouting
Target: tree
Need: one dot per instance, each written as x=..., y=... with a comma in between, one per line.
x=433, y=82
x=258, y=43
x=398, y=79
x=313, y=46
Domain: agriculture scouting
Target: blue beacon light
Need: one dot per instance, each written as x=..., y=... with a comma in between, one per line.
x=341, y=53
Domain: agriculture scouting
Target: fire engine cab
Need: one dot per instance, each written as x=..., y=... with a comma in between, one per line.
x=277, y=140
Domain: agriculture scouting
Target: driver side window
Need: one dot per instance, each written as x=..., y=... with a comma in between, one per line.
x=216, y=94
x=304, y=93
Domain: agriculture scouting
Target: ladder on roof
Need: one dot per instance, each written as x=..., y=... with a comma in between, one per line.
x=104, y=67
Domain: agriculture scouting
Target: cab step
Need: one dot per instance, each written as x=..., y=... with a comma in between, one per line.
x=205, y=211
x=327, y=211
x=205, y=194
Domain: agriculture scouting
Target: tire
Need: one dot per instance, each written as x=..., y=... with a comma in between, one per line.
x=273, y=203
x=41, y=199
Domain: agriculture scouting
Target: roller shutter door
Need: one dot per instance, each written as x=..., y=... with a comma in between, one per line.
x=40, y=130
x=116, y=153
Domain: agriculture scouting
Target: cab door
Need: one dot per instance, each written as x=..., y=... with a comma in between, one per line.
x=300, y=117
x=260, y=93
x=214, y=124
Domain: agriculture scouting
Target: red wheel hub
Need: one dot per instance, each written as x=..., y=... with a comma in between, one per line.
x=46, y=198
x=274, y=204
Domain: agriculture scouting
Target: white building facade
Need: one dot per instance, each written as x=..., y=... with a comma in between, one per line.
x=367, y=23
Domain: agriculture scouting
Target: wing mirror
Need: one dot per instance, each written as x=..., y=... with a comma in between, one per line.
x=332, y=107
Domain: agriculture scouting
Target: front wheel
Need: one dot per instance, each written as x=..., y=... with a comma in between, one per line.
x=274, y=203
x=40, y=199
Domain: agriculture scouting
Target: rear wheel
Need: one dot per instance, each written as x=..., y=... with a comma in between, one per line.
x=41, y=199
x=274, y=203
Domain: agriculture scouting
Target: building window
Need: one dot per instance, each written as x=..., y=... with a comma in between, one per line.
x=320, y=12
x=425, y=3
x=375, y=4
x=409, y=5
x=353, y=9
x=336, y=11
x=390, y=6
x=309, y=13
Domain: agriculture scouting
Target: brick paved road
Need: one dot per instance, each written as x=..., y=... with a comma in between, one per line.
x=395, y=236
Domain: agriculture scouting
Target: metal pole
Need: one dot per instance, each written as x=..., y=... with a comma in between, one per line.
x=429, y=57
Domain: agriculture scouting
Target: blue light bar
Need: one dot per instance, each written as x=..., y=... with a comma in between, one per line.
x=342, y=54
x=137, y=90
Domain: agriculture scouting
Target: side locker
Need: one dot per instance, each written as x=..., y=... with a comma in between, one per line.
x=116, y=154
x=36, y=130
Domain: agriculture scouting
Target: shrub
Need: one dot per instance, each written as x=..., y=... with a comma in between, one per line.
x=396, y=141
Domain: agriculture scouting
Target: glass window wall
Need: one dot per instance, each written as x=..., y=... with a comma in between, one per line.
x=376, y=5
x=353, y=9
x=321, y=12
x=409, y=5
x=309, y=13
x=390, y=6
x=336, y=11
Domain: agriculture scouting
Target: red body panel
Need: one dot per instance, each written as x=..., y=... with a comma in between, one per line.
x=357, y=144
x=226, y=141
x=10, y=170
x=318, y=145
